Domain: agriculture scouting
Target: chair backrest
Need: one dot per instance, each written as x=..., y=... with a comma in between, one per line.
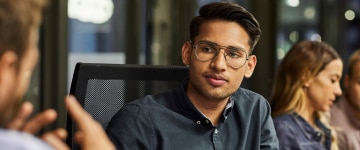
x=102, y=89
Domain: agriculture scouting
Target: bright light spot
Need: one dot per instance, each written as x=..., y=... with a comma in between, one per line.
x=349, y=15
x=293, y=3
x=294, y=36
x=309, y=13
x=94, y=11
x=156, y=47
x=280, y=53
x=316, y=37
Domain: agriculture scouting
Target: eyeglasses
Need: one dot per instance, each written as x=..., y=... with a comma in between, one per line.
x=234, y=57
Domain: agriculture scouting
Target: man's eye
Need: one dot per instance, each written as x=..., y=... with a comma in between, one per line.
x=233, y=53
x=207, y=49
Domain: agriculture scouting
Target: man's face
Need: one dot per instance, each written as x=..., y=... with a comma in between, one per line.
x=14, y=81
x=352, y=87
x=215, y=79
x=28, y=64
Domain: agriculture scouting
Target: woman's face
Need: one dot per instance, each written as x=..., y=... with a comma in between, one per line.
x=322, y=90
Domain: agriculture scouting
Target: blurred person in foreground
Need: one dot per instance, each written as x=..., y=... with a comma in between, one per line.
x=306, y=84
x=19, y=26
x=345, y=114
x=209, y=110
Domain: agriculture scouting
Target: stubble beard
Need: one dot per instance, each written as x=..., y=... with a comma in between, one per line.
x=213, y=93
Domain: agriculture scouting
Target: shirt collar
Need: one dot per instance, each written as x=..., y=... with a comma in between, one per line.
x=228, y=107
x=308, y=130
x=190, y=111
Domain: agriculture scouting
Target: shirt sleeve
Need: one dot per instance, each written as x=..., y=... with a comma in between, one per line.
x=16, y=140
x=269, y=140
x=130, y=130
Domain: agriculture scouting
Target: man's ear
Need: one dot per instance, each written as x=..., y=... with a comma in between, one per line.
x=250, y=66
x=186, y=52
x=8, y=61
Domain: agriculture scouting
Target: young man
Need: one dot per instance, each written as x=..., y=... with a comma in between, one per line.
x=210, y=110
x=19, y=25
x=345, y=114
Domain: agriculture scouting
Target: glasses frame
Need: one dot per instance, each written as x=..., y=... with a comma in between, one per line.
x=218, y=47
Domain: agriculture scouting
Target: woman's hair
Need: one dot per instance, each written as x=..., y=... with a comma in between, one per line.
x=304, y=61
x=228, y=12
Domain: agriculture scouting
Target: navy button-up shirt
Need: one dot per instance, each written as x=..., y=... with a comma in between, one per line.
x=295, y=133
x=169, y=121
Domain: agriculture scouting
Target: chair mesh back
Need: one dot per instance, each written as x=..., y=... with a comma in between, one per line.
x=105, y=97
x=102, y=89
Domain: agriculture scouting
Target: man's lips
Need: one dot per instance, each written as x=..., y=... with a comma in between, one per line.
x=215, y=80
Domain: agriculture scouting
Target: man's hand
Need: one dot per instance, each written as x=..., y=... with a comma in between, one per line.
x=35, y=124
x=89, y=135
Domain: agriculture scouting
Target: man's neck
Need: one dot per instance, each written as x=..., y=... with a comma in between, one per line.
x=347, y=103
x=211, y=108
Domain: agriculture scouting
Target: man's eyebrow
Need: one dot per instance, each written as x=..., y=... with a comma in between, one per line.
x=230, y=46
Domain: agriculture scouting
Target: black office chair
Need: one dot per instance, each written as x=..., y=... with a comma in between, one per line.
x=102, y=89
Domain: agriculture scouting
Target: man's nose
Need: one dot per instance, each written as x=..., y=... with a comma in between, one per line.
x=219, y=61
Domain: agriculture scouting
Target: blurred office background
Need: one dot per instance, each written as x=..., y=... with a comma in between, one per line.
x=152, y=32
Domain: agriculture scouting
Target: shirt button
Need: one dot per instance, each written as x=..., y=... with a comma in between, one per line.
x=216, y=131
x=318, y=134
x=207, y=121
x=198, y=122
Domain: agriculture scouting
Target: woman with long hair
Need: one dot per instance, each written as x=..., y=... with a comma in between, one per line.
x=306, y=84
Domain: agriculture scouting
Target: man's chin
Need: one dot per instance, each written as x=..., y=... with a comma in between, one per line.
x=218, y=95
x=9, y=113
x=6, y=117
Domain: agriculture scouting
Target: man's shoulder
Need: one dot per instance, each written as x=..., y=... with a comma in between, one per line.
x=247, y=92
x=151, y=102
x=247, y=95
x=153, y=98
x=247, y=101
x=11, y=139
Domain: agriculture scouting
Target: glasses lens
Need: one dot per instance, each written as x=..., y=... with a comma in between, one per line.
x=235, y=57
x=205, y=51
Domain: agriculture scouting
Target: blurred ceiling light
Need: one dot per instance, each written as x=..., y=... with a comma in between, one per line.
x=293, y=3
x=293, y=36
x=309, y=13
x=316, y=37
x=280, y=53
x=349, y=15
x=94, y=11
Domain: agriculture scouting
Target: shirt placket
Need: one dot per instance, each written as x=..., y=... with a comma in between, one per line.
x=216, y=139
